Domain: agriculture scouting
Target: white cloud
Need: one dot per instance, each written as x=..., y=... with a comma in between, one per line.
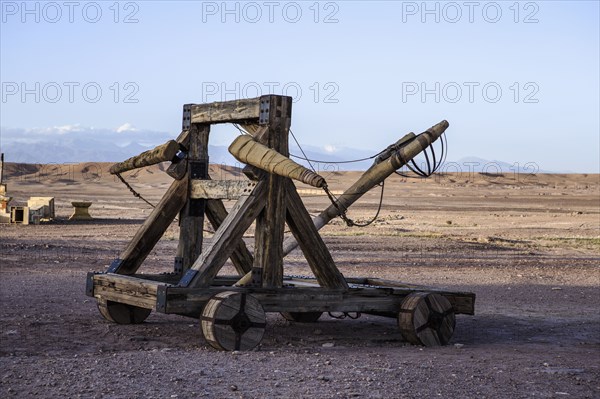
x=330, y=149
x=65, y=129
x=126, y=127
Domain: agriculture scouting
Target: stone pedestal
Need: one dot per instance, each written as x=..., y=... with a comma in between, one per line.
x=80, y=210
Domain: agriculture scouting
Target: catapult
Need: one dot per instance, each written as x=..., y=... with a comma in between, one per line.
x=231, y=309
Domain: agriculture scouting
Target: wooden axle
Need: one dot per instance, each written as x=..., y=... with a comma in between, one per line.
x=162, y=153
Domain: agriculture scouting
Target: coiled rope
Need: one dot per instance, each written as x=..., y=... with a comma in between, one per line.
x=432, y=167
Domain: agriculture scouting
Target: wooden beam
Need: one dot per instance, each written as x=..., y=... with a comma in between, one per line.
x=241, y=257
x=229, y=111
x=227, y=235
x=126, y=289
x=221, y=189
x=191, y=217
x=168, y=298
x=380, y=301
x=306, y=234
x=152, y=229
x=162, y=153
x=270, y=223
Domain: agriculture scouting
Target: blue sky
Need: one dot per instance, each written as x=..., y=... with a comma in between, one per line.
x=518, y=81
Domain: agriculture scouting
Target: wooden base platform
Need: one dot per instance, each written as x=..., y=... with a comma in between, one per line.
x=365, y=295
x=298, y=296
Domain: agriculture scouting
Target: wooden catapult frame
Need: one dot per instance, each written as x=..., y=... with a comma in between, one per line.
x=268, y=200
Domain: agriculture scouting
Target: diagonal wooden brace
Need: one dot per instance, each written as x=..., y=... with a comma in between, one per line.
x=241, y=257
x=310, y=241
x=153, y=228
x=212, y=259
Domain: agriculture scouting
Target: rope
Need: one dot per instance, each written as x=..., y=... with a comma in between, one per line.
x=342, y=212
x=431, y=167
x=343, y=315
x=135, y=193
x=239, y=128
x=335, y=162
x=303, y=153
x=138, y=195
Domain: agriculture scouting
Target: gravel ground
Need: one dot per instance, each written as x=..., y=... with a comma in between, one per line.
x=530, y=253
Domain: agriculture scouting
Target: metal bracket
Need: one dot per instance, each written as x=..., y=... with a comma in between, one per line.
x=161, y=298
x=178, y=265
x=197, y=207
x=264, y=108
x=114, y=266
x=257, y=273
x=187, y=117
x=187, y=278
x=199, y=169
x=89, y=284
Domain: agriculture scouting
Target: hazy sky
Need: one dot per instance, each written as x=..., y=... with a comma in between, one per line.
x=518, y=81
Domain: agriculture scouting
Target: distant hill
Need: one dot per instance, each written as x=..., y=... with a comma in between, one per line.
x=480, y=165
x=73, y=175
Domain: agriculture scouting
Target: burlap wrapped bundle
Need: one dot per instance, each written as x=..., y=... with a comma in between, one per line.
x=245, y=149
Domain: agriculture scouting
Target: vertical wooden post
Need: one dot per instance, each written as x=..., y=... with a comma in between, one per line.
x=270, y=224
x=191, y=217
x=1, y=168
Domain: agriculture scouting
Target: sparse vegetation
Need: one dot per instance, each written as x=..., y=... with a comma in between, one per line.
x=592, y=243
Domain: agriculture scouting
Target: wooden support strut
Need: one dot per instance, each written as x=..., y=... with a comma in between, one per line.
x=152, y=229
x=241, y=216
x=241, y=257
x=312, y=245
x=270, y=223
x=220, y=189
x=191, y=219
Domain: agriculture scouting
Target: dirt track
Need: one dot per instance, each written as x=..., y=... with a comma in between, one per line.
x=529, y=249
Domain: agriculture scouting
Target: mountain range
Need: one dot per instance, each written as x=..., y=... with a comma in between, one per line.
x=73, y=143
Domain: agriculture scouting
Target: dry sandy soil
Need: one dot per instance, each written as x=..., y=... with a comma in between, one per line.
x=528, y=246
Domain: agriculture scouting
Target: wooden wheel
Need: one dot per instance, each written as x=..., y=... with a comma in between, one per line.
x=122, y=313
x=426, y=318
x=233, y=321
x=302, y=317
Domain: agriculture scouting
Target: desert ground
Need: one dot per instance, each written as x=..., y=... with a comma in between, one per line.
x=527, y=245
